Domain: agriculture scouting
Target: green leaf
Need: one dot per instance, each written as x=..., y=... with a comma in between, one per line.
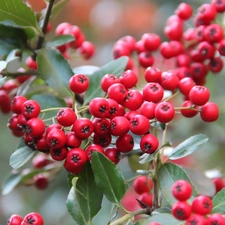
x=87, y=70
x=22, y=155
x=219, y=202
x=108, y=177
x=17, y=14
x=57, y=8
x=115, y=67
x=54, y=70
x=189, y=146
x=85, y=197
x=168, y=174
x=60, y=40
x=10, y=183
x=162, y=218
x=145, y=158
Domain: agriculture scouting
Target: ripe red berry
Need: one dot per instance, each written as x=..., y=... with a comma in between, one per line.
x=202, y=205
x=133, y=100
x=30, y=109
x=164, y=112
x=197, y=220
x=153, y=92
x=184, y=11
x=120, y=49
x=108, y=80
x=66, y=117
x=213, y=33
x=59, y=154
x=101, y=125
x=40, y=181
x=15, y=219
x=181, y=210
x=151, y=41
x=99, y=107
x=153, y=74
x=207, y=12
x=199, y=95
x=219, y=183
x=147, y=109
x=183, y=60
x=129, y=79
x=139, y=125
x=40, y=160
x=42, y=145
x=142, y=184
x=117, y=92
x=189, y=112
x=83, y=128
x=93, y=148
x=102, y=139
x=87, y=49
x=209, y=112
x=61, y=27
x=220, y=5
x=149, y=143
x=216, y=64
x=72, y=141
x=125, y=143
x=119, y=125
x=182, y=190
x=16, y=103
x=56, y=138
x=169, y=81
x=35, y=127
x=216, y=219
x=147, y=199
x=113, y=154
x=113, y=108
x=33, y=218
x=75, y=160
x=146, y=59
x=5, y=102
x=31, y=63
x=185, y=85
x=78, y=83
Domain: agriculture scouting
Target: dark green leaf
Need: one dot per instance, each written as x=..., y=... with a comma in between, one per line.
x=168, y=174
x=17, y=14
x=146, y=158
x=58, y=7
x=115, y=67
x=85, y=197
x=22, y=155
x=13, y=65
x=86, y=70
x=2, y=80
x=70, y=180
x=158, y=125
x=162, y=218
x=60, y=40
x=108, y=177
x=188, y=146
x=54, y=70
x=219, y=202
x=10, y=183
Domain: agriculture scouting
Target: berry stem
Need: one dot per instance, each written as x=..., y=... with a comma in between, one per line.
x=187, y=108
x=17, y=74
x=50, y=109
x=170, y=97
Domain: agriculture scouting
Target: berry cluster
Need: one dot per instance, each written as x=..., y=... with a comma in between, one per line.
x=31, y=218
x=85, y=48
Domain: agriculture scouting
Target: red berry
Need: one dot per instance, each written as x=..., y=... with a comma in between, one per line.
x=102, y=139
x=107, y=80
x=15, y=220
x=151, y=41
x=147, y=199
x=113, y=154
x=220, y=5
x=119, y=125
x=182, y=190
x=40, y=181
x=216, y=64
x=40, y=160
x=185, y=85
x=120, y=49
x=117, y=92
x=153, y=74
x=61, y=27
x=197, y=220
x=133, y=100
x=207, y=12
x=189, y=112
x=216, y=219
x=129, y=79
x=209, y=112
x=30, y=109
x=99, y=107
x=66, y=117
x=145, y=59
x=31, y=63
x=101, y=125
x=16, y=104
x=5, y=102
x=221, y=47
x=78, y=83
x=125, y=143
x=113, y=108
x=199, y=95
x=139, y=125
x=33, y=218
x=93, y=148
x=149, y=143
x=147, y=109
x=42, y=144
x=35, y=127
x=169, y=81
x=142, y=184
x=184, y=11
x=56, y=138
x=213, y=33
x=164, y=112
x=181, y=210
x=219, y=183
x=202, y=205
x=30, y=142
x=153, y=92
x=83, y=128
x=59, y=154
x=87, y=49
x=183, y=60
x=72, y=141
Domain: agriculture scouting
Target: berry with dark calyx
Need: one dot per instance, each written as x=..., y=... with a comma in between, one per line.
x=120, y=49
x=202, y=205
x=117, y=92
x=30, y=142
x=182, y=190
x=169, y=81
x=207, y=12
x=15, y=219
x=30, y=109
x=113, y=154
x=184, y=11
x=83, y=128
x=147, y=199
x=13, y=123
x=129, y=79
x=147, y=109
x=113, y=108
x=185, y=85
x=199, y=71
x=40, y=181
x=133, y=99
x=119, y=125
x=206, y=50
x=199, y=95
x=101, y=125
x=181, y=210
x=129, y=41
x=130, y=114
x=102, y=139
x=164, y=112
x=149, y=143
x=193, y=111
x=33, y=218
x=93, y=148
x=52, y=127
x=196, y=219
x=125, y=143
x=220, y=5
x=59, y=154
x=72, y=141
x=78, y=83
x=153, y=74
x=142, y=184
x=75, y=160
x=87, y=49
x=108, y=80
x=16, y=103
x=153, y=92
x=35, y=127
x=146, y=59
x=221, y=47
x=216, y=64
x=213, y=33
x=139, y=125
x=166, y=50
x=56, y=138
x=209, y=112
x=216, y=219
x=66, y=117
x=99, y=107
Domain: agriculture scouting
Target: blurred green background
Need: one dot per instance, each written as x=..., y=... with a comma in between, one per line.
x=103, y=22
